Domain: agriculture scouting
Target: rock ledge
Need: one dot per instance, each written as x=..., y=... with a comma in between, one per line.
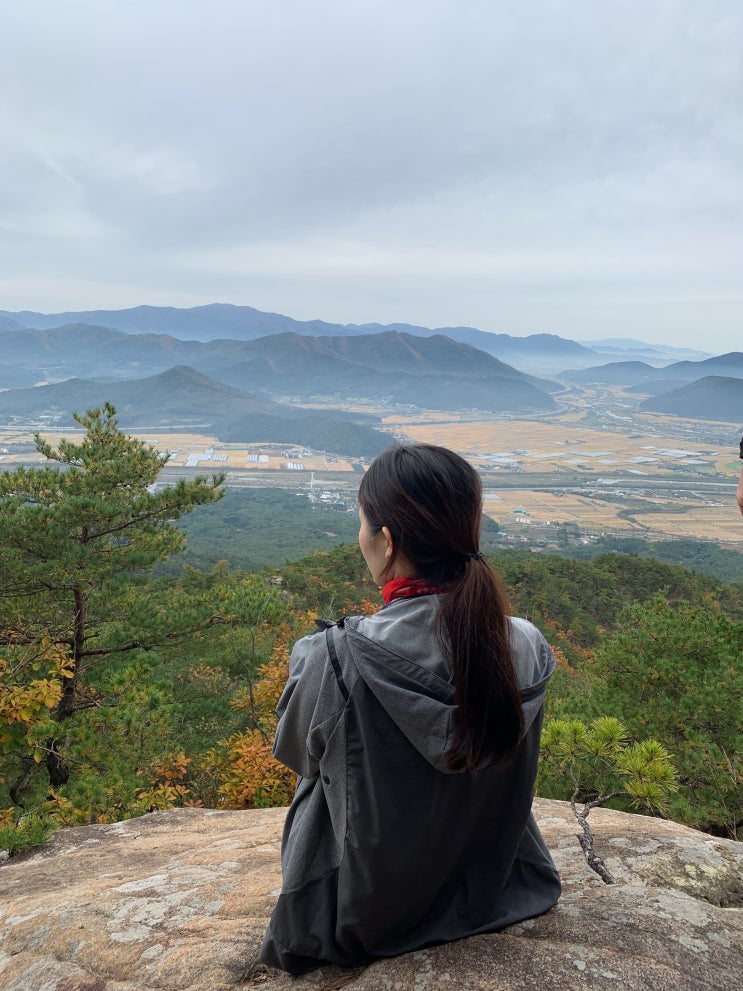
x=179, y=900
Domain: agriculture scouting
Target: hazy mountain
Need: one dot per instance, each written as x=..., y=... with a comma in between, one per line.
x=548, y=351
x=14, y=377
x=619, y=373
x=202, y=323
x=83, y=351
x=431, y=372
x=180, y=393
x=313, y=430
x=728, y=365
x=629, y=347
x=7, y=323
x=658, y=386
x=387, y=365
x=542, y=353
x=633, y=373
x=709, y=398
x=182, y=397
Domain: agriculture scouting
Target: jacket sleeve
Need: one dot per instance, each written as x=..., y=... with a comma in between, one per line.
x=309, y=708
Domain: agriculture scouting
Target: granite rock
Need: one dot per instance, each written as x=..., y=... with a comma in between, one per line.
x=180, y=899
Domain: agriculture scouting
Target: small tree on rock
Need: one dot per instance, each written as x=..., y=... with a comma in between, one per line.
x=598, y=763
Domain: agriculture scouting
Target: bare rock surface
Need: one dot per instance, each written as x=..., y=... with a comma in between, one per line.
x=179, y=900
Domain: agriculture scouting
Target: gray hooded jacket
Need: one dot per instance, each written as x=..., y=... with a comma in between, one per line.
x=385, y=850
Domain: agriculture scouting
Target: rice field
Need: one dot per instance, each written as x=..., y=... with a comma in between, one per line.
x=662, y=486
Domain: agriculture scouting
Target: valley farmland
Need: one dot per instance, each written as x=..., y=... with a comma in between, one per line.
x=594, y=467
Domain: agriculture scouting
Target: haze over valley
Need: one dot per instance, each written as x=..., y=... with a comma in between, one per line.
x=599, y=442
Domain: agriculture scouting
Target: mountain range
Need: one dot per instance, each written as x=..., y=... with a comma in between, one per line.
x=711, y=389
x=713, y=397
x=541, y=354
x=390, y=366
x=182, y=398
x=636, y=373
x=270, y=356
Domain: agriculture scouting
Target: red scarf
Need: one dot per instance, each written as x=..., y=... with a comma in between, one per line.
x=408, y=588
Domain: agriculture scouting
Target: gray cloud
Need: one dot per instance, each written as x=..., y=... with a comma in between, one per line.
x=559, y=165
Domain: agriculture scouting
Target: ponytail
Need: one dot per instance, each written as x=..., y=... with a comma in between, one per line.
x=474, y=619
x=431, y=501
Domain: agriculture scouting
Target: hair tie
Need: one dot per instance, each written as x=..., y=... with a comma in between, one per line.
x=476, y=556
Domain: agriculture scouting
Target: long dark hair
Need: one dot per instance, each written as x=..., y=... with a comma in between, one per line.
x=431, y=501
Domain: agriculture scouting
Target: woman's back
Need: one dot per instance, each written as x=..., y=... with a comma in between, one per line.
x=415, y=733
x=386, y=848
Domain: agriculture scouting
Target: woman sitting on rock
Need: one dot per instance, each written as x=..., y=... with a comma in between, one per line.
x=415, y=735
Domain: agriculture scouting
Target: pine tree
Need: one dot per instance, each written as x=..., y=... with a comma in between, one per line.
x=675, y=671
x=597, y=763
x=70, y=536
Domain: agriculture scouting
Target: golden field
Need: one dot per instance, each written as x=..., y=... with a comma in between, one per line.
x=603, y=470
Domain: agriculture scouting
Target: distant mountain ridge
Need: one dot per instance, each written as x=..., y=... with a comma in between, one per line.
x=426, y=371
x=713, y=397
x=634, y=373
x=183, y=398
x=629, y=347
x=220, y=320
x=539, y=354
x=542, y=354
x=180, y=393
x=616, y=373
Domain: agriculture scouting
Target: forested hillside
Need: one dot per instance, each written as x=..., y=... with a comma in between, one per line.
x=268, y=527
x=123, y=690
x=257, y=528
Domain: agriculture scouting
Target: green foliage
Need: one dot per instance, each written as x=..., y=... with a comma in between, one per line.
x=25, y=832
x=258, y=528
x=264, y=528
x=95, y=520
x=702, y=556
x=330, y=583
x=583, y=599
x=675, y=670
x=71, y=538
x=595, y=763
x=175, y=678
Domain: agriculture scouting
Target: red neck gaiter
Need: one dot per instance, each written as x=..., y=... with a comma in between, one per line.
x=408, y=588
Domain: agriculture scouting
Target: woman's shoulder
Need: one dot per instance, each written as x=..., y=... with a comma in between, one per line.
x=309, y=651
x=408, y=628
x=399, y=617
x=532, y=654
x=523, y=629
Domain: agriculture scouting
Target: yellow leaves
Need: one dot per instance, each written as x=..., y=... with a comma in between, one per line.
x=59, y=805
x=168, y=783
x=368, y=608
x=31, y=685
x=562, y=661
x=251, y=776
x=260, y=699
x=162, y=796
x=209, y=680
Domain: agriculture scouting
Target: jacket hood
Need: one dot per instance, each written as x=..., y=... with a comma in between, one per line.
x=409, y=672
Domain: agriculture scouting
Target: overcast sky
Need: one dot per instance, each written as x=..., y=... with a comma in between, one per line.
x=557, y=166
